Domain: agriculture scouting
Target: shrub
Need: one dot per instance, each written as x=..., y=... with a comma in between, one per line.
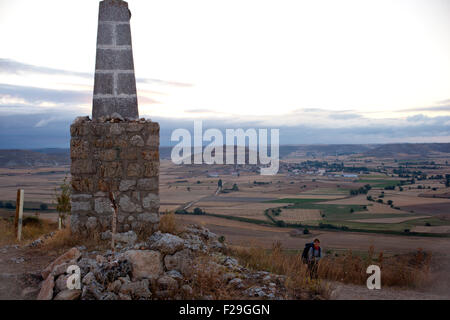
x=168, y=224
x=281, y=224
x=31, y=221
x=198, y=211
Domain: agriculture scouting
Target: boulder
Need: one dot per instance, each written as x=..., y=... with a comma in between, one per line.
x=166, y=243
x=68, y=295
x=128, y=238
x=136, y=290
x=180, y=261
x=46, y=292
x=144, y=263
x=73, y=254
x=61, y=283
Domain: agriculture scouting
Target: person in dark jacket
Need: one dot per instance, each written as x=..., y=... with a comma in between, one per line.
x=314, y=256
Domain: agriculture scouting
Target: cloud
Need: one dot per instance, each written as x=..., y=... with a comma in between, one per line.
x=34, y=95
x=52, y=129
x=443, y=105
x=200, y=111
x=45, y=122
x=344, y=116
x=8, y=66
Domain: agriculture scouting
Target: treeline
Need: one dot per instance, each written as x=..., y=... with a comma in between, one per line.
x=362, y=190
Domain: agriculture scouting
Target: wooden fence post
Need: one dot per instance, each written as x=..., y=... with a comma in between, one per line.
x=19, y=213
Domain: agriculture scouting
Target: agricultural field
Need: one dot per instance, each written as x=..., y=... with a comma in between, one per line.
x=379, y=200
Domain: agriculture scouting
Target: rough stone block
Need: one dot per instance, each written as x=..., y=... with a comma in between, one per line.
x=134, y=170
x=148, y=184
x=104, y=83
x=126, y=83
x=128, y=154
x=113, y=10
x=150, y=155
x=111, y=169
x=108, y=155
x=105, y=34
x=82, y=167
x=114, y=59
x=127, y=185
x=151, y=201
x=126, y=204
x=134, y=127
x=153, y=141
x=103, y=205
x=137, y=141
x=123, y=35
x=81, y=206
x=151, y=169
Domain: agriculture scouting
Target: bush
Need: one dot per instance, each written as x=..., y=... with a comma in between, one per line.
x=167, y=224
x=221, y=239
x=198, y=211
x=31, y=221
x=281, y=224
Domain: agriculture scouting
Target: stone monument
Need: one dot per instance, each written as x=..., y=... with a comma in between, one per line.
x=115, y=151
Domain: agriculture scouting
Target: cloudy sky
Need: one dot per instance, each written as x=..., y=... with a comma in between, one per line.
x=321, y=71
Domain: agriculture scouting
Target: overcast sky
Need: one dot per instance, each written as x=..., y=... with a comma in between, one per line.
x=322, y=71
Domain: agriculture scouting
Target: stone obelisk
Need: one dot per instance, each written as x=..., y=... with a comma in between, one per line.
x=115, y=82
x=115, y=152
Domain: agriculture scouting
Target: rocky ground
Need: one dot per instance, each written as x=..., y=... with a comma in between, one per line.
x=191, y=265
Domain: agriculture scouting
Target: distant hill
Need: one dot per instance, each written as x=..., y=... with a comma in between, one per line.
x=324, y=150
x=36, y=158
x=54, y=157
x=408, y=149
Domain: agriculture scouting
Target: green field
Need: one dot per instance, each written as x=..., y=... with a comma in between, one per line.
x=341, y=216
x=380, y=183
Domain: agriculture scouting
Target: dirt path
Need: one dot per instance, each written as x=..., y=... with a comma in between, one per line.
x=20, y=268
x=355, y=292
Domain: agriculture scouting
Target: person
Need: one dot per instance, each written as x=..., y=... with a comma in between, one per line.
x=314, y=256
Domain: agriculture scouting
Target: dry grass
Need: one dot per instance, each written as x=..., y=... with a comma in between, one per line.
x=31, y=230
x=169, y=224
x=298, y=282
x=207, y=280
x=410, y=270
x=63, y=240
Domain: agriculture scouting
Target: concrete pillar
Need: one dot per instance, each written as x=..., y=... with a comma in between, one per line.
x=115, y=82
